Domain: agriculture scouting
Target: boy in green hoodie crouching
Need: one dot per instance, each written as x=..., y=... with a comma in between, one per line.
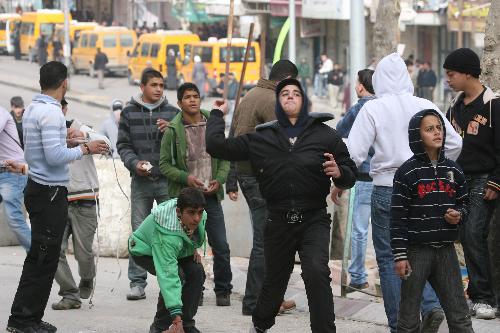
x=165, y=245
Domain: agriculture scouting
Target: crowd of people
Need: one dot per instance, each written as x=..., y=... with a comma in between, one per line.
x=425, y=179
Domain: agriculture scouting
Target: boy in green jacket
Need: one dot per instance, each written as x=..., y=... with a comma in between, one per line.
x=186, y=163
x=165, y=245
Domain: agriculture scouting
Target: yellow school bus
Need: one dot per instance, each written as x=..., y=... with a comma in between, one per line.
x=213, y=56
x=7, y=26
x=75, y=30
x=33, y=24
x=115, y=42
x=152, y=49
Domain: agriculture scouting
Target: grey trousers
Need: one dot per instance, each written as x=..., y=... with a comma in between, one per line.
x=82, y=224
x=440, y=267
x=100, y=78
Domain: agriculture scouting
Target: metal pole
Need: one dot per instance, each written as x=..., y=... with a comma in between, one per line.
x=67, y=44
x=292, y=32
x=347, y=245
x=460, y=39
x=228, y=48
x=357, y=44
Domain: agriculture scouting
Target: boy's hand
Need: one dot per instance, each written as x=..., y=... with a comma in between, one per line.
x=196, y=257
x=192, y=181
x=330, y=167
x=139, y=169
x=490, y=194
x=176, y=326
x=452, y=216
x=402, y=268
x=336, y=194
x=213, y=187
x=162, y=124
x=221, y=105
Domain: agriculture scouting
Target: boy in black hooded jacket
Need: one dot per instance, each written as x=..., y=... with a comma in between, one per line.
x=428, y=201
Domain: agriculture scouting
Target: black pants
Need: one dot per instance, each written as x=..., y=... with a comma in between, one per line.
x=192, y=276
x=281, y=241
x=48, y=210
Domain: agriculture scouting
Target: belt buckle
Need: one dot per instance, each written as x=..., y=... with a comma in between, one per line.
x=293, y=216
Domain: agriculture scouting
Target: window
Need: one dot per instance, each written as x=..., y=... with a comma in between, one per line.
x=237, y=54
x=47, y=29
x=85, y=41
x=174, y=47
x=109, y=41
x=205, y=53
x=136, y=50
x=93, y=40
x=154, y=50
x=78, y=33
x=126, y=40
x=187, y=52
x=145, y=49
x=27, y=28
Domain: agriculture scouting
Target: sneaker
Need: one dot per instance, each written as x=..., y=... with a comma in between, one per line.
x=66, y=304
x=287, y=306
x=136, y=293
x=483, y=311
x=431, y=321
x=47, y=326
x=356, y=287
x=223, y=299
x=86, y=287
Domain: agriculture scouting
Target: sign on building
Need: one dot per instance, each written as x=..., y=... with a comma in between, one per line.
x=473, y=14
x=326, y=9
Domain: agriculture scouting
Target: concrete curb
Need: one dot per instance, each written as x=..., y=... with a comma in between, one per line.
x=69, y=96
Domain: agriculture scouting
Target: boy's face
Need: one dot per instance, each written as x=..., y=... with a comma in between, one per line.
x=190, y=102
x=153, y=90
x=190, y=216
x=431, y=132
x=456, y=80
x=290, y=98
x=18, y=112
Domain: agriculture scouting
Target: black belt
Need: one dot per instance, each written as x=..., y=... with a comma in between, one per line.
x=294, y=215
x=83, y=203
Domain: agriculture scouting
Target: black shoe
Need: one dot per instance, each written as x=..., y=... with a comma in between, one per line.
x=246, y=312
x=86, y=287
x=30, y=329
x=223, y=299
x=47, y=326
x=191, y=329
x=155, y=329
x=432, y=321
x=356, y=287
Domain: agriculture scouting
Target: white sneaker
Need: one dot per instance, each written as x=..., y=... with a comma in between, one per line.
x=483, y=311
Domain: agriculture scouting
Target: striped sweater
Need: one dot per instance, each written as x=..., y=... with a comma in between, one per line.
x=422, y=194
x=45, y=149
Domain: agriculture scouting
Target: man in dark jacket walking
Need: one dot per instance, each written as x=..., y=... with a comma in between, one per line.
x=288, y=156
x=142, y=123
x=100, y=62
x=426, y=81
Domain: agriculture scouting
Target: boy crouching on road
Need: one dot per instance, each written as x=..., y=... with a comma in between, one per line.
x=165, y=245
x=428, y=202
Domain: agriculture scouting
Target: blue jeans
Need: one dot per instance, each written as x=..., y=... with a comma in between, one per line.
x=256, y=265
x=319, y=85
x=360, y=222
x=389, y=281
x=216, y=234
x=474, y=235
x=11, y=189
x=143, y=193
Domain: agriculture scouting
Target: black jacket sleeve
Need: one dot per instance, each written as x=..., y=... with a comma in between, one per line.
x=400, y=205
x=230, y=149
x=346, y=165
x=124, y=144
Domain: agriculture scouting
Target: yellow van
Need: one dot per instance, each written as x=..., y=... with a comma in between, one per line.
x=33, y=24
x=213, y=56
x=75, y=30
x=151, y=51
x=115, y=42
x=7, y=26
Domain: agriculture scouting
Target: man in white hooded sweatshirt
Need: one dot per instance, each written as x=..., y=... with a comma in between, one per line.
x=382, y=123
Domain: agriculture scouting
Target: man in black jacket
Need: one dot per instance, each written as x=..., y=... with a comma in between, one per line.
x=287, y=155
x=142, y=123
x=100, y=62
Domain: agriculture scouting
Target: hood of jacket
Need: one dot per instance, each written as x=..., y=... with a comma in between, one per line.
x=137, y=101
x=303, y=115
x=391, y=77
x=416, y=144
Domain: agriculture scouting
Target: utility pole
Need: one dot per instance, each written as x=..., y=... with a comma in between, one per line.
x=357, y=48
x=460, y=39
x=67, y=44
x=292, y=32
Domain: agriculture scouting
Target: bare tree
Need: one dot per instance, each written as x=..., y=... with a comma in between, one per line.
x=386, y=28
x=491, y=57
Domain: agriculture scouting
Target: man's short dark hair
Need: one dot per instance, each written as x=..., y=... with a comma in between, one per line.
x=17, y=102
x=191, y=197
x=365, y=78
x=52, y=75
x=408, y=62
x=185, y=87
x=148, y=74
x=283, y=69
